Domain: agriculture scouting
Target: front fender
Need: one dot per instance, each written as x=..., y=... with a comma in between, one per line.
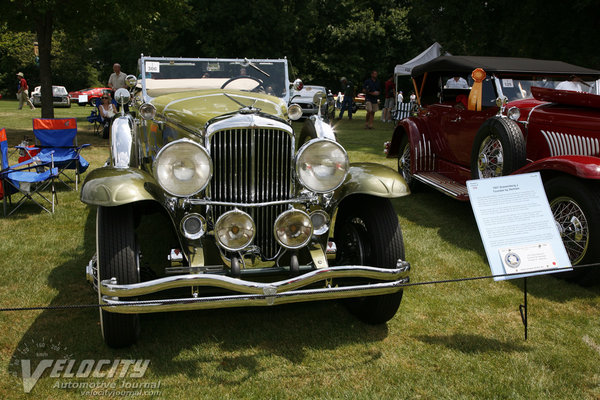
x=413, y=127
x=585, y=167
x=374, y=179
x=110, y=187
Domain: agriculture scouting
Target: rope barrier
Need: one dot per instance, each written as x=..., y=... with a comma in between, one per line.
x=404, y=285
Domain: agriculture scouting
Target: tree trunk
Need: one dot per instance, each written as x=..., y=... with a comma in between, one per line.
x=44, y=32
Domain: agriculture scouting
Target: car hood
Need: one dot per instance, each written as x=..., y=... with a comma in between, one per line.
x=197, y=107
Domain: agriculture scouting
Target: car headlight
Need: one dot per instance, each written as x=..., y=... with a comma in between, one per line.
x=514, y=113
x=293, y=229
x=294, y=112
x=321, y=165
x=183, y=168
x=234, y=230
x=147, y=111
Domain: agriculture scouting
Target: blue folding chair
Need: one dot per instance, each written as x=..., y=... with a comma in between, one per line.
x=27, y=178
x=59, y=135
x=95, y=117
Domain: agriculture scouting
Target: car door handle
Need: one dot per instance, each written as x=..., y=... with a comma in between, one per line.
x=457, y=119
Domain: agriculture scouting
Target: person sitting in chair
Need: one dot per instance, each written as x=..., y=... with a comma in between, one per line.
x=107, y=111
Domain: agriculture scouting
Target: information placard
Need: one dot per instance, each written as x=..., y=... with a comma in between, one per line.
x=516, y=226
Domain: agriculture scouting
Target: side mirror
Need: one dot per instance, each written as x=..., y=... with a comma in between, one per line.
x=122, y=96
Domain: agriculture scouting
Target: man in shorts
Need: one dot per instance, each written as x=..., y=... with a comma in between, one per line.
x=372, y=90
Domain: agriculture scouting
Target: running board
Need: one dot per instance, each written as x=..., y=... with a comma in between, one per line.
x=443, y=184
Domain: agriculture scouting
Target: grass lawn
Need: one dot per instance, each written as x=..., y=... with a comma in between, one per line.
x=448, y=341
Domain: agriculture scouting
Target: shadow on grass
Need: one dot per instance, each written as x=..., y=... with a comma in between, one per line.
x=235, y=341
x=454, y=220
x=471, y=344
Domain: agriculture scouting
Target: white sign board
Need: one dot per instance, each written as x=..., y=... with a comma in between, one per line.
x=516, y=226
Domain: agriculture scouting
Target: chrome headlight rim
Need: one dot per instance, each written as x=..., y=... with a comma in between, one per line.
x=305, y=148
x=286, y=214
x=229, y=214
x=163, y=151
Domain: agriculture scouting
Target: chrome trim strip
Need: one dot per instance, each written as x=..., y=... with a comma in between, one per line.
x=224, y=282
x=561, y=144
x=202, y=202
x=267, y=298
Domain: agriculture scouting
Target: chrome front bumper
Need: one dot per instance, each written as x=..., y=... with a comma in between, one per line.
x=252, y=293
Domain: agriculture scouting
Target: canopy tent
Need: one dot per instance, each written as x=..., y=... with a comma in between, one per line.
x=433, y=51
x=466, y=64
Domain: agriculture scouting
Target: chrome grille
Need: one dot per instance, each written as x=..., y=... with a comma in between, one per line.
x=253, y=165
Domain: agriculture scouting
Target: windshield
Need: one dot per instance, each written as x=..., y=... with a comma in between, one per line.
x=165, y=75
x=520, y=88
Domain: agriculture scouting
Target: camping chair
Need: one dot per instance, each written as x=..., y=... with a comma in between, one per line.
x=59, y=135
x=28, y=178
x=95, y=117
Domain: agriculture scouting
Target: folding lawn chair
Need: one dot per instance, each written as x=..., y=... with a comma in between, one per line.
x=95, y=118
x=59, y=135
x=27, y=178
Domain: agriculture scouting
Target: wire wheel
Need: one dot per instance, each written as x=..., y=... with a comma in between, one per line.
x=498, y=149
x=573, y=227
x=490, y=161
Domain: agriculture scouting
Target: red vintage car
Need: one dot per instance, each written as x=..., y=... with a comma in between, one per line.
x=91, y=94
x=481, y=117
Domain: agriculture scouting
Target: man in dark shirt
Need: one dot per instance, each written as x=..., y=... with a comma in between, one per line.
x=372, y=89
x=348, y=91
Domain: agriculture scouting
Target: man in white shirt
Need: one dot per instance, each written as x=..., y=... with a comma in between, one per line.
x=117, y=81
x=572, y=84
x=457, y=83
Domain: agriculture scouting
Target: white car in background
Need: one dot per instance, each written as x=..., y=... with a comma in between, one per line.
x=305, y=99
x=60, y=96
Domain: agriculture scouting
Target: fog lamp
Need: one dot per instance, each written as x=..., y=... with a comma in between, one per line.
x=234, y=230
x=193, y=226
x=320, y=222
x=293, y=229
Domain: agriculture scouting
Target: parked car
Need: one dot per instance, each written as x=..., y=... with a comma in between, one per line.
x=88, y=96
x=305, y=99
x=60, y=97
x=522, y=124
x=245, y=217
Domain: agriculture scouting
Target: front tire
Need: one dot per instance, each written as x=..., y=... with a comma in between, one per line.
x=498, y=149
x=367, y=232
x=118, y=257
x=576, y=209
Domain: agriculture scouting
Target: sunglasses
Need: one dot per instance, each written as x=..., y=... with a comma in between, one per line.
x=105, y=98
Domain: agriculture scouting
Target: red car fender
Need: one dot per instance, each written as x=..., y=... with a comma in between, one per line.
x=409, y=126
x=585, y=167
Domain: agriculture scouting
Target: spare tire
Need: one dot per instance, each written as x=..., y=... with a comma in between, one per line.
x=498, y=149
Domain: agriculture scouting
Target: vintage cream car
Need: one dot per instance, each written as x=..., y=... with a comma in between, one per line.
x=211, y=146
